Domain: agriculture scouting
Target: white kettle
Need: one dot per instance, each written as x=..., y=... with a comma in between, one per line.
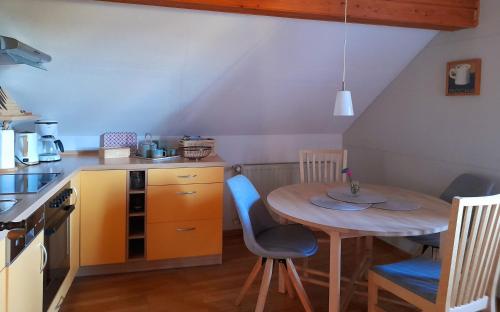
x=26, y=147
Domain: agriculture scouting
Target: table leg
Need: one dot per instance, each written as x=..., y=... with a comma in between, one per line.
x=368, y=254
x=334, y=289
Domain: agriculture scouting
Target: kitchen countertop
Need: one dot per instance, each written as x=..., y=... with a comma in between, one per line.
x=70, y=165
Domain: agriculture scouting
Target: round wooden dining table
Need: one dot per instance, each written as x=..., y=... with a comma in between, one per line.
x=292, y=202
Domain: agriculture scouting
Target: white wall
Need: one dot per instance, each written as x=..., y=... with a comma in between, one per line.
x=170, y=71
x=414, y=136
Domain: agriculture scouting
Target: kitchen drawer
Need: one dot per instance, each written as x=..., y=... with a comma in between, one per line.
x=184, y=202
x=185, y=175
x=184, y=239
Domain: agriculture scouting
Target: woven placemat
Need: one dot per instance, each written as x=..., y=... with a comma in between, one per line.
x=330, y=203
x=397, y=205
x=363, y=197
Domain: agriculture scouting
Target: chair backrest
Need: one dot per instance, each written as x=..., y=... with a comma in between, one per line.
x=253, y=214
x=470, y=264
x=468, y=185
x=322, y=166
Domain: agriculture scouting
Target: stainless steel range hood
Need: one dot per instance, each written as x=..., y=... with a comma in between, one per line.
x=13, y=51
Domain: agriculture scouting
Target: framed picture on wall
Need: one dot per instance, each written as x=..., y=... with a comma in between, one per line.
x=463, y=77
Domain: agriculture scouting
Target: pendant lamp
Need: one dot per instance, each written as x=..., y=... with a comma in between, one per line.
x=343, y=100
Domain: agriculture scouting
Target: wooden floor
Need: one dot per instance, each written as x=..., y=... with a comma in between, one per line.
x=210, y=288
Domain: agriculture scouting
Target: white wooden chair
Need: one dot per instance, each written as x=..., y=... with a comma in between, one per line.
x=468, y=276
x=322, y=165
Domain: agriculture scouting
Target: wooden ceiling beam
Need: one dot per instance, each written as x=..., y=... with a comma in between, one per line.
x=430, y=14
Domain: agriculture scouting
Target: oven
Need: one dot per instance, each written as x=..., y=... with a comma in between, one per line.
x=57, y=242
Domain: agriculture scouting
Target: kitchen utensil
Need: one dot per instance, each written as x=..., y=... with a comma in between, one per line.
x=166, y=158
x=49, y=149
x=147, y=146
x=158, y=152
x=49, y=146
x=26, y=147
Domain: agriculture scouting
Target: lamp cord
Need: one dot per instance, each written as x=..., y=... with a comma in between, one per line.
x=345, y=44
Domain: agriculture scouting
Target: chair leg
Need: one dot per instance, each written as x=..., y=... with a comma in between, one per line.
x=264, y=286
x=297, y=284
x=372, y=295
x=281, y=280
x=286, y=280
x=249, y=281
x=305, y=266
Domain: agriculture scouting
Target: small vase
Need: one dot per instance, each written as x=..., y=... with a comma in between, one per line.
x=355, y=187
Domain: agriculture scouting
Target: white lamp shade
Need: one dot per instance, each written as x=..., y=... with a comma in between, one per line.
x=343, y=104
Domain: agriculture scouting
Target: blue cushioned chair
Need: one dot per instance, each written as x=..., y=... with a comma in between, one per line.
x=468, y=276
x=465, y=185
x=272, y=242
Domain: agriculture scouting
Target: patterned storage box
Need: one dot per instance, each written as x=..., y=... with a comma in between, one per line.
x=119, y=139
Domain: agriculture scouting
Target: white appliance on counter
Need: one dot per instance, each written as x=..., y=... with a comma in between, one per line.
x=26, y=147
x=49, y=146
x=7, y=150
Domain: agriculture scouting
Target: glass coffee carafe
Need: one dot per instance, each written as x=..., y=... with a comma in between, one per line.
x=49, y=148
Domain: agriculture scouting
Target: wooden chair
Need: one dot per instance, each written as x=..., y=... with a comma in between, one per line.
x=465, y=185
x=322, y=165
x=468, y=276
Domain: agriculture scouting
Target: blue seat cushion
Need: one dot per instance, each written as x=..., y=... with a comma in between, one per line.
x=419, y=275
x=288, y=241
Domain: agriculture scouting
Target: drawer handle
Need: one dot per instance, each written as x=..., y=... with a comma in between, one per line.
x=185, y=229
x=189, y=176
x=186, y=193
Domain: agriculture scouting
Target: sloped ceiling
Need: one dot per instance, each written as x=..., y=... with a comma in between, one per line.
x=173, y=71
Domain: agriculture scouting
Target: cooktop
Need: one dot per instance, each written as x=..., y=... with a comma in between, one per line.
x=24, y=183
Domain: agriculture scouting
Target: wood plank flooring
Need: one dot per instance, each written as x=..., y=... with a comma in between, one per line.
x=211, y=288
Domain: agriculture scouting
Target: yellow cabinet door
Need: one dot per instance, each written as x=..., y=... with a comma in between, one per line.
x=25, y=279
x=3, y=290
x=184, y=202
x=184, y=239
x=75, y=227
x=102, y=217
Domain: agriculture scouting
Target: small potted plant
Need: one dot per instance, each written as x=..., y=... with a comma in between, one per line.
x=354, y=184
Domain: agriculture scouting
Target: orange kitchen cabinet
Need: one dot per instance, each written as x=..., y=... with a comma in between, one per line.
x=184, y=239
x=103, y=217
x=185, y=175
x=169, y=203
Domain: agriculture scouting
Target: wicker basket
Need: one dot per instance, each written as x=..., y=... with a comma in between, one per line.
x=209, y=143
x=196, y=152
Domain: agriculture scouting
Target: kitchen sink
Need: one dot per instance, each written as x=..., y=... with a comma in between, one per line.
x=7, y=204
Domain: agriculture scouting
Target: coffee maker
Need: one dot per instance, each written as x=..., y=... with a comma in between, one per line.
x=49, y=146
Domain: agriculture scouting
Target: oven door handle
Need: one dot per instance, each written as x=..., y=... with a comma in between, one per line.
x=45, y=257
x=51, y=230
